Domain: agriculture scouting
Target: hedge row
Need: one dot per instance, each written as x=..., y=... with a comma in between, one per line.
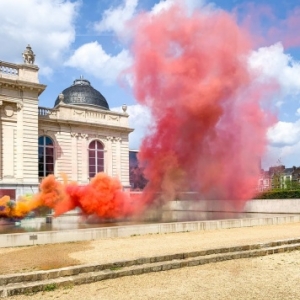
x=279, y=194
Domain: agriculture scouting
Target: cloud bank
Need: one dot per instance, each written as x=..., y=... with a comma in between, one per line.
x=140, y=120
x=92, y=58
x=50, y=37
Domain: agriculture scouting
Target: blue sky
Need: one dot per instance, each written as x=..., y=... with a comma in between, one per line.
x=88, y=37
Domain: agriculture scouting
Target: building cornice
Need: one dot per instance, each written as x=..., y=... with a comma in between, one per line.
x=21, y=85
x=88, y=124
x=87, y=116
x=89, y=108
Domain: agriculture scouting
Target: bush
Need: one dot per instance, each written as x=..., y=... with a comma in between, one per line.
x=50, y=287
x=279, y=194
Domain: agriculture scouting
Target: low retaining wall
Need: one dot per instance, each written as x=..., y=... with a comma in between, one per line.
x=282, y=206
x=267, y=206
x=48, y=237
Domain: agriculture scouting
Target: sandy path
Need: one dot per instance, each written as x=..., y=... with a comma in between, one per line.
x=159, y=244
x=43, y=257
x=272, y=277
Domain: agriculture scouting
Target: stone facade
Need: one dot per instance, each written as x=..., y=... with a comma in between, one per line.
x=70, y=127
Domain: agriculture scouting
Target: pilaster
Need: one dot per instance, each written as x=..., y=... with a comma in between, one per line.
x=118, y=156
x=85, y=159
x=74, y=139
x=19, y=142
x=109, y=156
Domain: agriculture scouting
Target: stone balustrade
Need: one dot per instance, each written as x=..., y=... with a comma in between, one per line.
x=22, y=72
x=88, y=115
x=43, y=111
x=9, y=68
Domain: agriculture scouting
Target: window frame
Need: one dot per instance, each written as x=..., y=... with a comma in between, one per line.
x=48, y=159
x=97, y=160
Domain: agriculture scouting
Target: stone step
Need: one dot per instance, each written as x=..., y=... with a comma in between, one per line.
x=92, y=273
x=75, y=270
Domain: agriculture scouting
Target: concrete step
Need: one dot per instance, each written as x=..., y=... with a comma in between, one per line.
x=32, y=282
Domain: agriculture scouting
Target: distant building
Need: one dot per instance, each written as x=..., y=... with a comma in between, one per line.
x=279, y=177
x=79, y=136
x=264, y=182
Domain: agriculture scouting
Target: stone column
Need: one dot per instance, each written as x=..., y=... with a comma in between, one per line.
x=85, y=158
x=20, y=126
x=1, y=142
x=9, y=142
x=118, y=157
x=74, y=155
x=109, y=156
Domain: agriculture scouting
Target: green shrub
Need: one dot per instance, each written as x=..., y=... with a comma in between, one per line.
x=50, y=287
x=279, y=194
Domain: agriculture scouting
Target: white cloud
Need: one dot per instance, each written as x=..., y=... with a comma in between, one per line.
x=93, y=59
x=45, y=71
x=284, y=144
x=114, y=19
x=273, y=64
x=286, y=155
x=48, y=26
x=163, y=5
x=284, y=134
x=140, y=120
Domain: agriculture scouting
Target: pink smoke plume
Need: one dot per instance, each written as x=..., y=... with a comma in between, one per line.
x=209, y=128
x=267, y=27
x=208, y=110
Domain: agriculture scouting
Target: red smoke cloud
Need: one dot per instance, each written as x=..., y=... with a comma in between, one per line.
x=209, y=128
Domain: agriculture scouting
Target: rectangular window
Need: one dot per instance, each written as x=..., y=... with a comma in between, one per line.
x=92, y=153
x=41, y=169
x=92, y=171
x=49, y=169
x=49, y=151
x=92, y=161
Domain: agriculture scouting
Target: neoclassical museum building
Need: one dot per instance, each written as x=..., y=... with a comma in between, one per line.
x=80, y=136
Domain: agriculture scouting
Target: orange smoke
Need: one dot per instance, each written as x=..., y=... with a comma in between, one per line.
x=52, y=192
x=19, y=209
x=103, y=197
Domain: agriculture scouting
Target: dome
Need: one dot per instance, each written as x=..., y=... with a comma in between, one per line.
x=82, y=93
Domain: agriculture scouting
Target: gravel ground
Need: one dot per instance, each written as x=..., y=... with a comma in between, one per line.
x=116, y=249
x=271, y=277
x=45, y=257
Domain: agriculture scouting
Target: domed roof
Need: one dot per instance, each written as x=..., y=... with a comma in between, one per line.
x=82, y=93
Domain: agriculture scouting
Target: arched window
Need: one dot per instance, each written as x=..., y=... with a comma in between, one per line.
x=46, y=156
x=96, y=158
